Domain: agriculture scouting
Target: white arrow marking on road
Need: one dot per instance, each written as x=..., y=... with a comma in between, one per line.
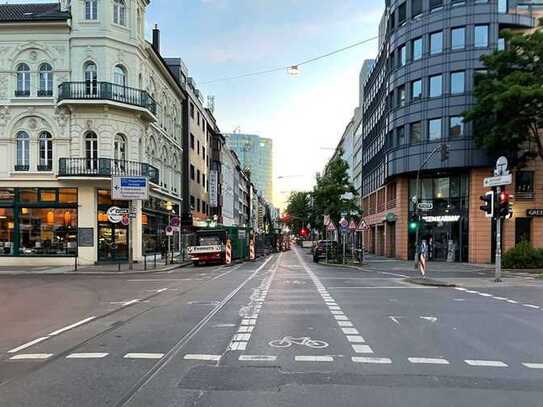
x=431, y=319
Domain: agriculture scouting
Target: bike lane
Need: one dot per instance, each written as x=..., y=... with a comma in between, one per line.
x=298, y=324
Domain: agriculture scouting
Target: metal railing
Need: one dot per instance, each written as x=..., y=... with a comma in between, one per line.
x=106, y=167
x=94, y=90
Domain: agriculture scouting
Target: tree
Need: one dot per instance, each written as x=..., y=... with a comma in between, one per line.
x=298, y=210
x=508, y=112
x=329, y=189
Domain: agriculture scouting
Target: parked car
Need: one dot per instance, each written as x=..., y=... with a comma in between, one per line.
x=323, y=246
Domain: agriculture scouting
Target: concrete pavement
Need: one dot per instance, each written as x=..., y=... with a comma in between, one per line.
x=279, y=332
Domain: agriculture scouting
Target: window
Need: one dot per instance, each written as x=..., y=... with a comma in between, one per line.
x=481, y=36
x=203, y=152
x=204, y=180
x=416, y=49
x=91, y=77
x=192, y=110
x=91, y=9
x=458, y=38
x=416, y=89
x=198, y=116
x=198, y=204
x=436, y=5
x=119, y=12
x=503, y=6
x=46, y=152
x=46, y=80
x=400, y=134
x=523, y=230
x=91, y=151
x=192, y=141
x=434, y=129
x=524, y=184
x=457, y=82
x=401, y=96
x=23, y=80
x=192, y=172
x=198, y=145
x=457, y=2
x=119, y=75
x=416, y=8
x=119, y=147
x=436, y=43
x=192, y=202
x=402, y=56
x=436, y=85
x=198, y=176
x=456, y=127
x=402, y=13
x=23, y=151
x=501, y=44
x=415, y=133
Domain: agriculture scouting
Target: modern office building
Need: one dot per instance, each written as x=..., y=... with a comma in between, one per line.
x=83, y=98
x=255, y=154
x=414, y=97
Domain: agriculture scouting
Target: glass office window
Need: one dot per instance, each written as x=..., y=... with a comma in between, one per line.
x=436, y=43
x=481, y=36
x=434, y=129
x=436, y=85
x=416, y=89
x=458, y=82
x=401, y=96
x=456, y=127
x=416, y=49
x=458, y=38
x=415, y=133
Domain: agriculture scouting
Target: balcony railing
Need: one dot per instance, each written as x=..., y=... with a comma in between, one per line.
x=106, y=167
x=93, y=90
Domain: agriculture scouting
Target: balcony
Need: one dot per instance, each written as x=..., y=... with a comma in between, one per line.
x=95, y=92
x=106, y=168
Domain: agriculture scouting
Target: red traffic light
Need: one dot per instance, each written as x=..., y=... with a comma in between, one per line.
x=304, y=232
x=504, y=197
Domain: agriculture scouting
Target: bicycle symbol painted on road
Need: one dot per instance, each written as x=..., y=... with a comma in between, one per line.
x=288, y=341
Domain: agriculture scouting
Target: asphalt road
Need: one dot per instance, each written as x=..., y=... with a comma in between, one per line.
x=278, y=332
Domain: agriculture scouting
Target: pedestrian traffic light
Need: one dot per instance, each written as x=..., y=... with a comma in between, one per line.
x=444, y=152
x=413, y=225
x=488, y=206
x=505, y=208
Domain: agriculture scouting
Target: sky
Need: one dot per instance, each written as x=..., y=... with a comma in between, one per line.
x=304, y=115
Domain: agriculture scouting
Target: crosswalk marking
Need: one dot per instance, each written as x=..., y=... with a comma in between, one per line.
x=429, y=361
x=486, y=363
x=379, y=361
x=237, y=345
x=362, y=349
x=345, y=323
x=31, y=356
x=259, y=358
x=355, y=338
x=241, y=337
x=86, y=356
x=246, y=328
x=314, y=359
x=350, y=331
x=192, y=356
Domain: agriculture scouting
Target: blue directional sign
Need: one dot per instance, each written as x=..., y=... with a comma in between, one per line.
x=129, y=188
x=134, y=182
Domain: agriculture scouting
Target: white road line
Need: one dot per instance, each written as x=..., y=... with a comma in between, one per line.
x=531, y=306
x=31, y=356
x=460, y=288
x=362, y=349
x=241, y=337
x=472, y=292
x=500, y=298
x=429, y=361
x=337, y=312
x=257, y=358
x=533, y=365
x=486, y=363
x=28, y=344
x=334, y=308
x=248, y=329
x=355, y=339
x=341, y=318
x=192, y=356
x=134, y=301
x=379, y=361
x=512, y=302
x=143, y=356
x=345, y=323
x=67, y=328
x=350, y=331
x=161, y=290
x=87, y=355
x=485, y=295
x=248, y=322
x=237, y=345
x=314, y=359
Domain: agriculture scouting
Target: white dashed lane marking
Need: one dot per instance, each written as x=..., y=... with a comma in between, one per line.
x=28, y=344
x=143, y=356
x=314, y=359
x=378, y=361
x=191, y=356
x=533, y=365
x=429, y=361
x=355, y=339
x=31, y=356
x=362, y=349
x=486, y=363
x=487, y=295
x=257, y=358
x=87, y=356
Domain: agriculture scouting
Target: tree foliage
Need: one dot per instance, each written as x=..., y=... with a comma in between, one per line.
x=508, y=112
x=299, y=209
x=328, y=192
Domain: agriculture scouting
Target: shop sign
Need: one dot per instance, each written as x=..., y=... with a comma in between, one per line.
x=425, y=206
x=116, y=214
x=213, y=188
x=85, y=237
x=129, y=189
x=391, y=217
x=439, y=219
x=534, y=212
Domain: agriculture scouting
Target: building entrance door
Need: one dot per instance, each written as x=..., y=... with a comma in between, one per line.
x=112, y=242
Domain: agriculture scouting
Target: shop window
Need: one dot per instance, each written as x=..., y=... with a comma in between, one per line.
x=67, y=195
x=523, y=230
x=524, y=184
x=28, y=195
x=441, y=188
x=47, y=231
x=7, y=226
x=48, y=195
x=7, y=195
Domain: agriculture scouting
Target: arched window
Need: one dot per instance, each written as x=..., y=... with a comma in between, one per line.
x=46, y=80
x=119, y=151
x=91, y=9
x=91, y=78
x=23, y=80
x=46, y=152
x=23, y=151
x=119, y=75
x=91, y=152
x=119, y=12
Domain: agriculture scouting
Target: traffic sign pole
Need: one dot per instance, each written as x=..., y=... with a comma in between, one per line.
x=130, y=237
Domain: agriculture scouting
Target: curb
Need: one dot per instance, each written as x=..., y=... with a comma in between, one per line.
x=95, y=273
x=428, y=282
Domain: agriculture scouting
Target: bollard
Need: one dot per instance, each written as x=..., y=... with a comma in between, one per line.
x=75, y=266
x=155, y=260
x=145, y=262
x=119, y=267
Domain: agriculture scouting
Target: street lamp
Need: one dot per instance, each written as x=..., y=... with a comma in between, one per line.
x=293, y=70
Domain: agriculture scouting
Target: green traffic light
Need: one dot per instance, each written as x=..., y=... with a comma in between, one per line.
x=413, y=225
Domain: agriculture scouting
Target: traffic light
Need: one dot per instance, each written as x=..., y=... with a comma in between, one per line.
x=505, y=207
x=444, y=152
x=413, y=225
x=488, y=205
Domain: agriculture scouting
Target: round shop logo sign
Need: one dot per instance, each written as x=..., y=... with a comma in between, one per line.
x=116, y=214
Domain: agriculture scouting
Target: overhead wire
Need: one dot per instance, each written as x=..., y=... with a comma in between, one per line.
x=286, y=67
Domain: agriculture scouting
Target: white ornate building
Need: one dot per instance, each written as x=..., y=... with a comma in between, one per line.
x=83, y=97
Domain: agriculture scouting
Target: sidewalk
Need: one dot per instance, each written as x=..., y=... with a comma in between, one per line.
x=99, y=269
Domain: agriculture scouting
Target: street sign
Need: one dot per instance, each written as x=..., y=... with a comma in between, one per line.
x=331, y=227
x=175, y=221
x=498, y=181
x=169, y=231
x=362, y=226
x=501, y=167
x=352, y=226
x=327, y=220
x=129, y=188
x=425, y=206
x=344, y=223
